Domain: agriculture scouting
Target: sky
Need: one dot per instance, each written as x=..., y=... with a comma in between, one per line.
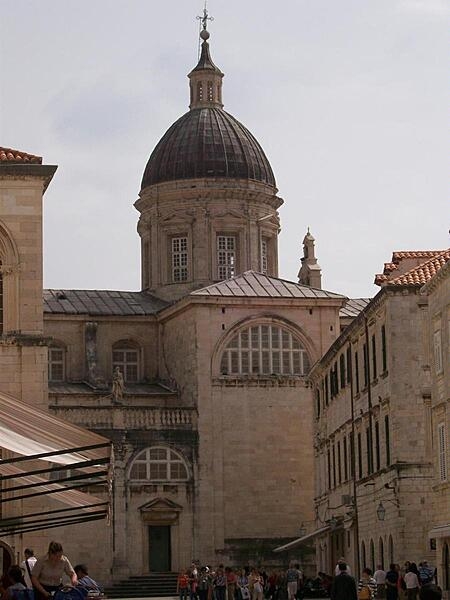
x=348, y=99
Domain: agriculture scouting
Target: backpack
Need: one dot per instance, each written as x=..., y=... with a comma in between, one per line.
x=365, y=593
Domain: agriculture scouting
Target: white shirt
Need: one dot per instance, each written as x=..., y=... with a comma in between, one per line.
x=380, y=576
x=337, y=570
x=411, y=580
x=31, y=562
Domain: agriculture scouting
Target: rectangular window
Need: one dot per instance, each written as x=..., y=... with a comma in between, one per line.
x=437, y=343
x=128, y=363
x=360, y=461
x=339, y=463
x=369, y=451
x=366, y=365
x=383, y=348
x=179, y=259
x=345, y=459
x=334, y=466
x=342, y=370
x=374, y=358
x=442, y=450
x=377, y=446
x=349, y=365
x=264, y=256
x=352, y=454
x=226, y=256
x=356, y=373
x=387, y=440
x=55, y=364
x=329, y=469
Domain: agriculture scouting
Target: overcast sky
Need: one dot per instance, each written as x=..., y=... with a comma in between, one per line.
x=347, y=98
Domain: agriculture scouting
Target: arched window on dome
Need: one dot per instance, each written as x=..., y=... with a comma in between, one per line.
x=210, y=91
x=126, y=356
x=264, y=350
x=199, y=91
x=159, y=464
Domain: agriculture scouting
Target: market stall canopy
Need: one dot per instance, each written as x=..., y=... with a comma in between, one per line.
x=302, y=540
x=80, y=457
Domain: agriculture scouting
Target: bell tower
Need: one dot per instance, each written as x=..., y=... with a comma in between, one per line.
x=310, y=271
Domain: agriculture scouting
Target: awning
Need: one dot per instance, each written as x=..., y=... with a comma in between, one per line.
x=302, y=539
x=28, y=431
x=80, y=458
x=439, y=531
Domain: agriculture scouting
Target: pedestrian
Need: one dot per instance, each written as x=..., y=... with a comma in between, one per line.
x=203, y=584
x=220, y=584
x=183, y=585
x=380, y=579
x=411, y=582
x=84, y=581
x=231, y=583
x=17, y=586
x=426, y=573
x=242, y=585
x=392, y=579
x=256, y=584
x=344, y=586
x=27, y=566
x=367, y=586
x=337, y=570
x=293, y=578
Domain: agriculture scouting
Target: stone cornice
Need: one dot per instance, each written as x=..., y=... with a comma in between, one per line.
x=260, y=381
x=24, y=171
x=24, y=339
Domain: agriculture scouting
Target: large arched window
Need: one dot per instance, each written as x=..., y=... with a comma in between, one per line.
x=159, y=463
x=264, y=350
x=126, y=356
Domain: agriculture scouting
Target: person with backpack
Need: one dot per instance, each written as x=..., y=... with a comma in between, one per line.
x=367, y=586
x=27, y=566
x=18, y=590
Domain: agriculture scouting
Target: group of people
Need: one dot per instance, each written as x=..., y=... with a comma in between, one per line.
x=411, y=582
x=247, y=583
x=44, y=576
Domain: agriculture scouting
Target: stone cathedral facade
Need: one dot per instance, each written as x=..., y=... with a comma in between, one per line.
x=212, y=425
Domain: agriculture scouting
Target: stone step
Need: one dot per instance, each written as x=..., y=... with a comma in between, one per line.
x=153, y=585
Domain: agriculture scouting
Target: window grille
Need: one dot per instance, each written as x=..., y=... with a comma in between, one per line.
x=264, y=350
x=442, y=449
x=159, y=464
x=179, y=259
x=56, y=366
x=127, y=359
x=226, y=256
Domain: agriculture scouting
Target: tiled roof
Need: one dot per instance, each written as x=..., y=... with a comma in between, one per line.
x=101, y=302
x=8, y=155
x=396, y=263
x=256, y=285
x=353, y=307
x=396, y=256
x=423, y=273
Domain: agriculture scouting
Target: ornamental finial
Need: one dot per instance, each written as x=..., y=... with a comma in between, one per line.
x=204, y=21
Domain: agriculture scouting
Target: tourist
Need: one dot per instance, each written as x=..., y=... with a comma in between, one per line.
x=220, y=583
x=380, y=579
x=27, y=566
x=344, y=586
x=293, y=578
x=84, y=581
x=231, y=583
x=48, y=572
x=242, y=585
x=411, y=582
x=15, y=574
x=183, y=585
x=392, y=580
x=337, y=570
x=203, y=584
x=367, y=586
x=426, y=573
x=430, y=591
x=256, y=584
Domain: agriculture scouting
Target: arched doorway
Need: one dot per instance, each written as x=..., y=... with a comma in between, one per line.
x=6, y=557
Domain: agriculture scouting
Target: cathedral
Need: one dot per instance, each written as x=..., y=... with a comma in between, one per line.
x=198, y=381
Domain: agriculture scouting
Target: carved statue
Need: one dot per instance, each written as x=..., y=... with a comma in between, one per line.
x=118, y=385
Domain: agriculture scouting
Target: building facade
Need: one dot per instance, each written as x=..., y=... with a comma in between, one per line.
x=379, y=438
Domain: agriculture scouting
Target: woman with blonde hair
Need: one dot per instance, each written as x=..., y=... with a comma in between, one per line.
x=48, y=572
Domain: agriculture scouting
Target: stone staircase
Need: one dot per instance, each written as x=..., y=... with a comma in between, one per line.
x=144, y=586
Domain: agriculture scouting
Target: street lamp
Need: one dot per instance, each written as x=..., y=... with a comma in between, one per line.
x=381, y=512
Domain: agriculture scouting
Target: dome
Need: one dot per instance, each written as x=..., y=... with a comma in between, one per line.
x=207, y=142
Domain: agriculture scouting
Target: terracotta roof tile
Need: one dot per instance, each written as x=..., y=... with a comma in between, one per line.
x=423, y=273
x=397, y=256
x=8, y=155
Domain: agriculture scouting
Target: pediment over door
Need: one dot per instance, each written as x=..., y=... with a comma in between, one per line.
x=160, y=511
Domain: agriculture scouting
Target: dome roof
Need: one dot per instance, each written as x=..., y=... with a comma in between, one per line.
x=207, y=142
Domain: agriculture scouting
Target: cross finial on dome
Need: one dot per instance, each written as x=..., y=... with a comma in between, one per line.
x=204, y=34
